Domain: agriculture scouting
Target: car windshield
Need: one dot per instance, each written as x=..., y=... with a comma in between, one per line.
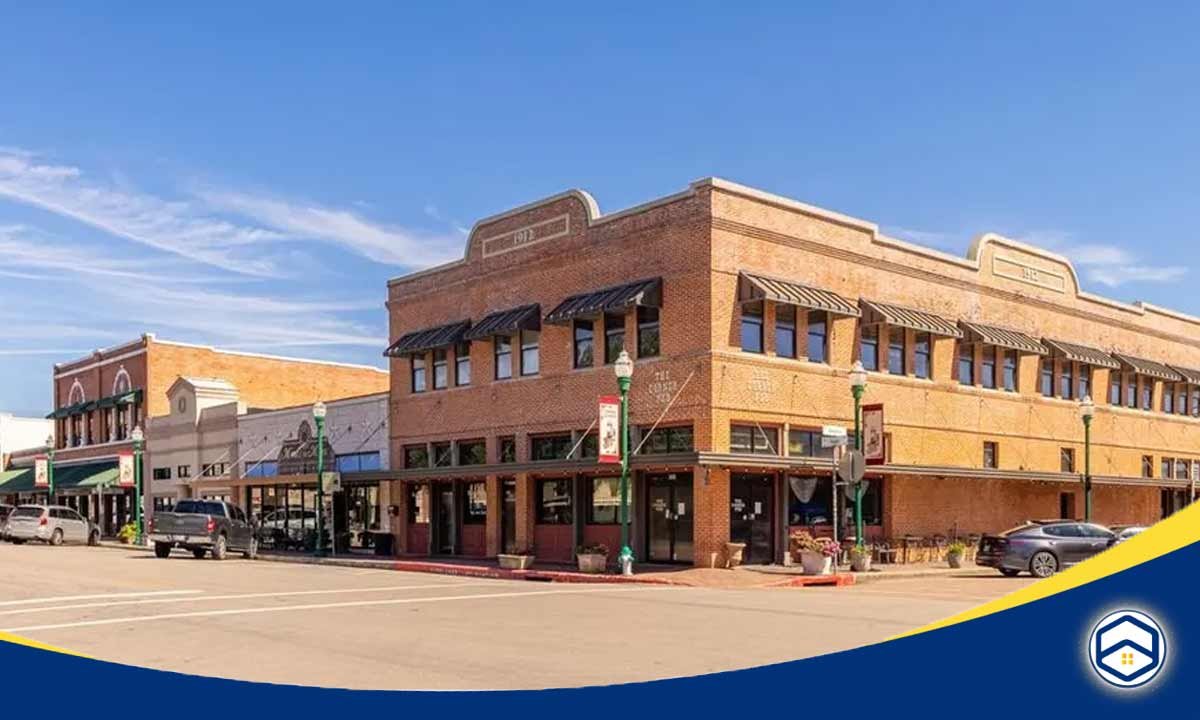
x=27, y=512
x=199, y=507
x=1019, y=529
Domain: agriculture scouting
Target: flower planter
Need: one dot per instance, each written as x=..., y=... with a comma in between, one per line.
x=860, y=563
x=955, y=559
x=592, y=562
x=515, y=562
x=734, y=553
x=816, y=563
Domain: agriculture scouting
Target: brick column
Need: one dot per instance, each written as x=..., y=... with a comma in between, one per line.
x=400, y=521
x=525, y=516
x=492, y=528
x=711, y=522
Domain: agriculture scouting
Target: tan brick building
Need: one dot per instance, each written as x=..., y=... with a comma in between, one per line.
x=745, y=312
x=101, y=398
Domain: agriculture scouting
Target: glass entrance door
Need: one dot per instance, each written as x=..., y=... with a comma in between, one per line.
x=751, y=516
x=669, y=521
x=446, y=525
x=508, y=516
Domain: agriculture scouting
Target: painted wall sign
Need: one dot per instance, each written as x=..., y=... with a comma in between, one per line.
x=523, y=237
x=609, y=425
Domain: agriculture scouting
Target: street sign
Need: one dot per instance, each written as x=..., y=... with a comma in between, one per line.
x=834, y=436
x=852, y=467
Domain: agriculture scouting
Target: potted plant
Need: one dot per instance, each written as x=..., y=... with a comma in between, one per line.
x=127, y=533
x=592, y=558
x=734, y=551
x=816, y=554
x=860, y=558
x=954, y=554
x=519, y=560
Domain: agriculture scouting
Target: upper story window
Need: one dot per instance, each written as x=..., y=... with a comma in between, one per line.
x=584, y=331
x=897, y=364
x=752, y=326
x=441, y=369
x=443, y=454
x=991, y=455
x=1147, y=466
x=418, y=373
x=966, y=364
x=462, y=364
x=1130, y=390
x=614, y=337
x=753, y=439
x=1147, y=393
x=868, y=346
x=503, y=350
x=1046, y=379
x=508, y=449
x=649, y=332
x=785, y=331
x=530, y=363
x=1196, y=401
x=1066, y=380
x=416, y=456
x=1181, y=399
x=550, y=447
x=472, y=452
x=1067, y=460
x=1009, y=374
x=987, y=367
x=1114, y=389
x=818, y=336
x=922, y=354
x=1168, y=398
x=1167, y=465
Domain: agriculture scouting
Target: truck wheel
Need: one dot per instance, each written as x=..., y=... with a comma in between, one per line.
x=198, y=553
x=251, y=549
x=162, y=550
x=56, y=537
x=219, y=548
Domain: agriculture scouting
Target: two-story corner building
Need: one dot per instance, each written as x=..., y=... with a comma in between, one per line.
x=745, y=312
x=275, y=479
x=101, y=398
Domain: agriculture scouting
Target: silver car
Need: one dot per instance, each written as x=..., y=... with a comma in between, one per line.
x=52, y=524
x=1043, y=547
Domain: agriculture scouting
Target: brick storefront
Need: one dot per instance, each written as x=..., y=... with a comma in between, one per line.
x=735, y=453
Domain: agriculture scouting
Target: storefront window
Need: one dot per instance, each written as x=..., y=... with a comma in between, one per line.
x=554, y=502
x=475, y=512
x=667, y=440
x=807, y=443
x=550, y=447
x=605, y=507
x=416, y=456
x=809, y=500
x=417, y=512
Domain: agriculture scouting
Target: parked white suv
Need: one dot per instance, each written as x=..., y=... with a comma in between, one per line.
x=52, y=524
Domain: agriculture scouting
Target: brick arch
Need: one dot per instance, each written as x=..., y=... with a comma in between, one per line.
x=77, y=394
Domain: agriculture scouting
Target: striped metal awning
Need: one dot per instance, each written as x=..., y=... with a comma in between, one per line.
x=506, y=322
x=1190, y=375
x=420, y=341
x=1081, y=354
x=752, y=287
x=646, y=293
x=1142, y=366
x=911, y=318
x=1003, y=337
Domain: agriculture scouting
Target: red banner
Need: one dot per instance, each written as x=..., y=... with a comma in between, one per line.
x=873, y=440
x=610, y=429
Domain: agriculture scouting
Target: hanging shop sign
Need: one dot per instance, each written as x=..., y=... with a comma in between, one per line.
x=610, y=429
x=874, y=446
x=125, y=476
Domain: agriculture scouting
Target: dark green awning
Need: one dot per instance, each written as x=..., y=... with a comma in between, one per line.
x=16, y=481
x=86, y=476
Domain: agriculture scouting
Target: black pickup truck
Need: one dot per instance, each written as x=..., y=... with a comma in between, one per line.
x=203, y=526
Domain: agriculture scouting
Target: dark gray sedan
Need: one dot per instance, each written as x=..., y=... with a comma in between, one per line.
x=1042, y=548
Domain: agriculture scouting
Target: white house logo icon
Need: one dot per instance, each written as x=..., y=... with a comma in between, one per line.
x=1127, y=648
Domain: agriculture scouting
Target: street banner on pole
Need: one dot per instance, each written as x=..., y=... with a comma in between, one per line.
x=125, y=470
x=41, y=472
x=874, y=450
x=609, y=428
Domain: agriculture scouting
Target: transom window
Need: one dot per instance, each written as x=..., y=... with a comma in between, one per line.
x=550, y=447
x=649, y=332
x=818, y=336
x=667, y=440
x=585, y=343
x=753, y=439
x=472, y=452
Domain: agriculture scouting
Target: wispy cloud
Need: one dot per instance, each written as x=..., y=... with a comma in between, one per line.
x=1105, y=264
x=173, y=226
x=929, y=238
x=385, y=244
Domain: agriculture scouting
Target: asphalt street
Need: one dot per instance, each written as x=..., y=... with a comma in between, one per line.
x=365, y=628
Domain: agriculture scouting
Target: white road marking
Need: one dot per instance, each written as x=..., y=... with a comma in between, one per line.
x=241, y=596
x=68, y=598
x=321, y=606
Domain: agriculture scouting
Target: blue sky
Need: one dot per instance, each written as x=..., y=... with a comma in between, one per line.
x=250, y=177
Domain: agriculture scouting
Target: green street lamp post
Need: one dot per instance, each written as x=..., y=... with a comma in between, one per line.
x=318, y=412
x=49, y=469
x=623, y=368
x=858, y=386
x=138, y=438
x=1087, y=410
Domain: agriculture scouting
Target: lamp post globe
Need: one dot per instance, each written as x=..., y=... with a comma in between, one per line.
x=1087, y=410
x=318, y=411
x=623, y=368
